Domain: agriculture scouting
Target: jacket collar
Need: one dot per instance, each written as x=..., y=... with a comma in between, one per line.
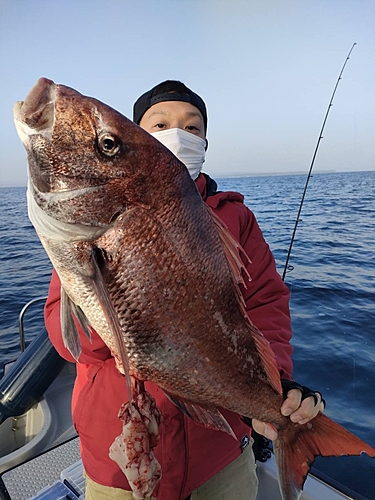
x=207, y=188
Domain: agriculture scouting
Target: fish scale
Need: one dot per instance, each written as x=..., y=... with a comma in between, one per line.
x=179, y=313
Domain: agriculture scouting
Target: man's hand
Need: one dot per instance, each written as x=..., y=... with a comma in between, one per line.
x=293, y=407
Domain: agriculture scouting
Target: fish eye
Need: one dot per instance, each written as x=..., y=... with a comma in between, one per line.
x=109, y=144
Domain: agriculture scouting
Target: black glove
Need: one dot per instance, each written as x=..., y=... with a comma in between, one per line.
x=288, y=385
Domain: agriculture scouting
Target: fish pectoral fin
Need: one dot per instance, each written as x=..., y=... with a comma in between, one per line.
x=82, y=320
x=298, y=445
x=69, y=328
x=208, y=416
x=100, y=269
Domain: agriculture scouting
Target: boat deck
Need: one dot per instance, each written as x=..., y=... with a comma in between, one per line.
x=57, y=474
x=28, y=479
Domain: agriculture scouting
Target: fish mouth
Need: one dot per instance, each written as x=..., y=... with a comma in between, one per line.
x=36, y=114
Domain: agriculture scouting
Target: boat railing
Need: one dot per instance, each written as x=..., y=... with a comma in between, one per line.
x=21, y=318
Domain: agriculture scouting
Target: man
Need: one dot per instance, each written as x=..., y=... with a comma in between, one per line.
x=197, y=463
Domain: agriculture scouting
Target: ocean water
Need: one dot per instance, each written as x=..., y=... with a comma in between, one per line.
x=332, y=291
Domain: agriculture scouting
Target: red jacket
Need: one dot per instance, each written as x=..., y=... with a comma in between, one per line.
x=189, y=454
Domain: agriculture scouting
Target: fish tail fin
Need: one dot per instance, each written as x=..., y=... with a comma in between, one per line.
x=298, y=445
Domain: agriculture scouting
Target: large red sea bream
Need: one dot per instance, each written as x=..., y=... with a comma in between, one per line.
x=142, y=261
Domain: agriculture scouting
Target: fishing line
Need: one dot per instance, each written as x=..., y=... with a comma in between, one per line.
x=286, y=267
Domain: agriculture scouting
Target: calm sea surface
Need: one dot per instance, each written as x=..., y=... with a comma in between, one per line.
x=332, y=290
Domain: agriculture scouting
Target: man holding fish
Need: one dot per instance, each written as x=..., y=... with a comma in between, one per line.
x=166, y=295
x=197, y=462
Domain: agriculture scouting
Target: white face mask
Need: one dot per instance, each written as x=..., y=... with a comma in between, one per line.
x=189, y=148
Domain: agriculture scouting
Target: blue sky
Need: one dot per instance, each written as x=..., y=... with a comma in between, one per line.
x=265, y=68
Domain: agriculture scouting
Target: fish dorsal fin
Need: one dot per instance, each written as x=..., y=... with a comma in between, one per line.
x=208, y=416
x=233, y=252
x=268, y=357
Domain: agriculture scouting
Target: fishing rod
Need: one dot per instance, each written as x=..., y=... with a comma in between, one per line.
x=286, y=267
